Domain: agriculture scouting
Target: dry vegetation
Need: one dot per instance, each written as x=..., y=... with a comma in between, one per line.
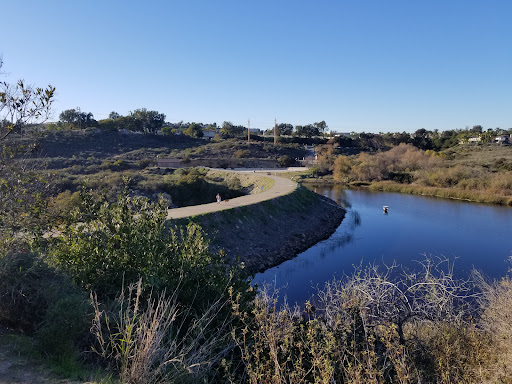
x=422, y=327
x=476, y=173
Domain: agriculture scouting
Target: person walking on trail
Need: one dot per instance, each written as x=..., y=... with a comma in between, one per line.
x=218, y=198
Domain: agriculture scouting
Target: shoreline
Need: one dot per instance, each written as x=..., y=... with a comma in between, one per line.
x=443, y=193
x=480, y=197
x=266, y=234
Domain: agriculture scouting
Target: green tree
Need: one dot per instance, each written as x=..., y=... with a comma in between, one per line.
x=86, y=119
x=168, y=131
x=285, y=129
x=286, y=161
x=22, y=104
x=69, y=116
x=146, y=121
x=306, y=130
x=321, y=126
x=228, y=129
x=108, y=125
x=422, y=139
x=74, y=118
x=114, y=115
x=22, y=191
x=129, y=123
x=194, y=130
x=477, y=129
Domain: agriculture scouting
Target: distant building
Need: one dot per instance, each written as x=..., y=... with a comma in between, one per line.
x=210, y=134
x=338, y=134
x=475, y=139
x=502, y=139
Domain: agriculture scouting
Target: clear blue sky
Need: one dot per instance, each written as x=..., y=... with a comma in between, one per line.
x=360, y=65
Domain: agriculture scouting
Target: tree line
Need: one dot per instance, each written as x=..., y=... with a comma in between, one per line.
x=148, y=121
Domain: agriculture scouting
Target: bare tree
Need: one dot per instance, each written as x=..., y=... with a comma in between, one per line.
x=398, y=296
x=22, y=104
x=22, y=190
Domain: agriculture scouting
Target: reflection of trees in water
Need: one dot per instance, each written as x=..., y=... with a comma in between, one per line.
x=333, y=192
x=345, y=203
x=353, y=220
x=338, y=242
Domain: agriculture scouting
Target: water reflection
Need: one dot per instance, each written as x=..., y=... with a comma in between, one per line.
x=478, y=235
x=336, y=193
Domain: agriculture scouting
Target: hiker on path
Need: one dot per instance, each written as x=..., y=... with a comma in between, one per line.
x=218, y=198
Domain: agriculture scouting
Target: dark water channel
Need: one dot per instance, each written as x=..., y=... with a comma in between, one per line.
x=474, y=235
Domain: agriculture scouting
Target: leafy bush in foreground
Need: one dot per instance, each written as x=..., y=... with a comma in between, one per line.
x=108, y=245
x=38, y=300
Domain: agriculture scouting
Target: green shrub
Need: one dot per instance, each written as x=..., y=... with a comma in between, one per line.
x=65, y=324
x=241, y=153
x=286, y=161
x=123, y=241
x=28, y=287
x=144, y=163
x=120, y=165
x=234, y=183
x=63, y=203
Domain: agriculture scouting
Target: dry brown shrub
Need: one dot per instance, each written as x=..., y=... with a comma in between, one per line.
x=497, y=322
x=149, y=341
x=390, y=326
x=501, y=183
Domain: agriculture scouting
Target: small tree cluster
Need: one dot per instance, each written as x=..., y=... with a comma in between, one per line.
x=76, y=119
x=139, y=120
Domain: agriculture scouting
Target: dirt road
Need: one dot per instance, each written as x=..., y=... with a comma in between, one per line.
x=281, y=187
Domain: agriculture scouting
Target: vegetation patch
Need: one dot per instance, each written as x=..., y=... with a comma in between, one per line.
x=464, y=173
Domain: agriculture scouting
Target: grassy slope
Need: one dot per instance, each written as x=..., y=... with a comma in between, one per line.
x=84, y=145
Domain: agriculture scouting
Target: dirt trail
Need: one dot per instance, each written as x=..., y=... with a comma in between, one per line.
x=281, y=187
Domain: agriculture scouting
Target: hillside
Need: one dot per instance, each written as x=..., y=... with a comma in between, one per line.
x=89, y=145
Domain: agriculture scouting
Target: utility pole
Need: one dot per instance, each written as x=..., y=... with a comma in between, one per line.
x=249, y=131
x=79, y=118
x=275, y=131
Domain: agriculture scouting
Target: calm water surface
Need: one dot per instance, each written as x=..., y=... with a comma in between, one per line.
x=474, y=235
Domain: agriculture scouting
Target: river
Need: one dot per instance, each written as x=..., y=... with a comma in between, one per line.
x=473, y=235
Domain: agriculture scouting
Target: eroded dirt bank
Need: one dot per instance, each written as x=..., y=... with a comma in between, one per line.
x=266, y=234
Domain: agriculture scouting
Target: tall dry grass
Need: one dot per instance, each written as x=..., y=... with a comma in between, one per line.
x=148, y=340
x=376, y=326
x=497, y=323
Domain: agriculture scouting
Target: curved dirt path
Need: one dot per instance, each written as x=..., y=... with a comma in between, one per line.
x=282, y=186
